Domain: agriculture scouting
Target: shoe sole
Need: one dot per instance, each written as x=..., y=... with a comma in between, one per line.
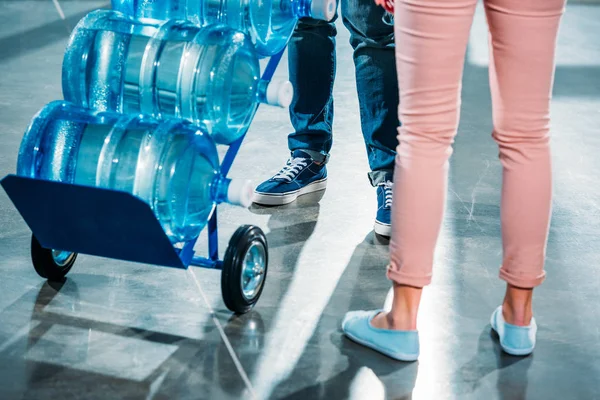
x=382, y=229
x=269, y=199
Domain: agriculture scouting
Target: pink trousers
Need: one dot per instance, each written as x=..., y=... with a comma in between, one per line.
x=431, y=41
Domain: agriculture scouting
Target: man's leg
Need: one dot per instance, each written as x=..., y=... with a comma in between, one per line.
x=377, y=84
x=311, y=59
x=312, y=63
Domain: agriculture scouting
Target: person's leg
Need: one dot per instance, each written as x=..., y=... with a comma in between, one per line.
x=311, y=59
x=431, y=42
x=376, y=83
x=312, y=65
x=431, y=38
x=377, y=86
x=522, y=47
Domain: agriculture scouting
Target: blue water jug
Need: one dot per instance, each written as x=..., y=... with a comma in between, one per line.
x=270, y=23
x=155, y=9
x=209, y=75
x=170, y=164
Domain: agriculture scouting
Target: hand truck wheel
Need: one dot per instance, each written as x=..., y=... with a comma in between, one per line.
x=244, y=269
x=51, y=264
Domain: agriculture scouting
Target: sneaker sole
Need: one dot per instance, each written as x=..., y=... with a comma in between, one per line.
x=269, y=199
x=382, y=229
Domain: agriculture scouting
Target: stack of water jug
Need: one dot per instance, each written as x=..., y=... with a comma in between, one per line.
x=151, y=87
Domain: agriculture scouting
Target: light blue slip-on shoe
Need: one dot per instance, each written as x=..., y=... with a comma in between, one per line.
x=399, y=345
x=514, y=340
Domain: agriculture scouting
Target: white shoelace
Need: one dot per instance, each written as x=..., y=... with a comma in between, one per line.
x=387, y=190
x=291, y=170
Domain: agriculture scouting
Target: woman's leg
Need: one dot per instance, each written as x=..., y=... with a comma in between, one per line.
x=431, y=40
x=522, y=46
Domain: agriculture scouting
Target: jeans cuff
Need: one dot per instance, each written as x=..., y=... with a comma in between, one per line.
x=380, y=176
x=318, y=156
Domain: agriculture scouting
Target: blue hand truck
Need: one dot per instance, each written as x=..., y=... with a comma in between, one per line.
x=67, y=219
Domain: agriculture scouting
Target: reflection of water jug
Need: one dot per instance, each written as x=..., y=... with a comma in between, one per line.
x=270, y=23
x=171, y=165
x=210, y=75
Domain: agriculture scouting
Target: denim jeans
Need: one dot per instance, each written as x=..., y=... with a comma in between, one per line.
x=312, y=66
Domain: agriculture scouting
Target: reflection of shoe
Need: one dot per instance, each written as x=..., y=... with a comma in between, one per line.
x=399, y=345
x=514, y=340
x=383, y=225
x=301, y=175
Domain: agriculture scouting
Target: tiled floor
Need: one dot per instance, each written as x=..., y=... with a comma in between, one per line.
x=121, y=330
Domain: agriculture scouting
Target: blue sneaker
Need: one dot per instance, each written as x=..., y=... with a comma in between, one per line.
x=399, y=345
x=514, y=340
x=383, y=225
x=301, y=175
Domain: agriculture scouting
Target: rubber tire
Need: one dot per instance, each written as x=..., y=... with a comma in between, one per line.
x=44, y=263
x=231, y=275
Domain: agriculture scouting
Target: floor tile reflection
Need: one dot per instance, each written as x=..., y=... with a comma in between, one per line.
x=99, y=352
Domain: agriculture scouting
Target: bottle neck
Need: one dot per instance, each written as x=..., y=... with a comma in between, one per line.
x=237, y=192
x=219, y=188
x=275, y=93
x=261, y=91
x=300, y=8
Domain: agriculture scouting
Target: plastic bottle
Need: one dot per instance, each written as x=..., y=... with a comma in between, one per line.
x=270, y=23
x=155, y=9
x=210, y=75
x=171, y=164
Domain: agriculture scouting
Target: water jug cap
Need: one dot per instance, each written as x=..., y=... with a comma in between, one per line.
x=323, y=9
x=240, y=192
x=280, y=93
